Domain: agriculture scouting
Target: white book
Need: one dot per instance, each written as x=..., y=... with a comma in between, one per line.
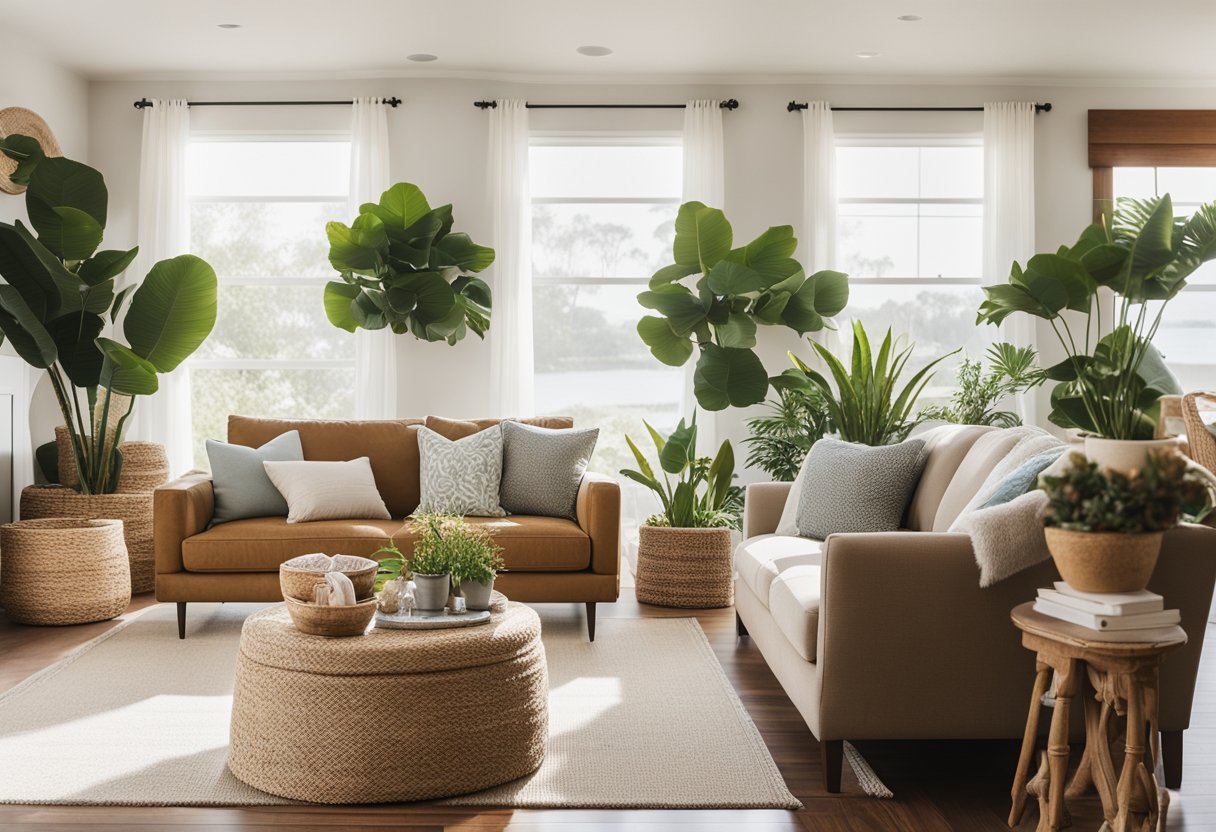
x=1139, y=621
x=1154, y=604
x=1115, y=603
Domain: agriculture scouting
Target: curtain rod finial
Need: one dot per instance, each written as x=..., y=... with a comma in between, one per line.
x=393, y=102
x=142, y=104
x=729, y=104
x=794, y=107
x=1043, y=108
x=485, y=105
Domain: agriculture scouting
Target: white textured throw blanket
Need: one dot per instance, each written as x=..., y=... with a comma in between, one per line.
x=1008, y=537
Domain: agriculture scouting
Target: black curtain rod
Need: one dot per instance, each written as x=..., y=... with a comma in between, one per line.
x=794, y=106
x=727, y=104
x=144, y=103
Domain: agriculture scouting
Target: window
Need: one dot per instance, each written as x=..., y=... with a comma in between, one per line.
x=603, y=221
x=257, y=214
x=1188, y=328
x=910, y=236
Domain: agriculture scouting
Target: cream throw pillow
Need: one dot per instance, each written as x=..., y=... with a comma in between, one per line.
x=317, y=490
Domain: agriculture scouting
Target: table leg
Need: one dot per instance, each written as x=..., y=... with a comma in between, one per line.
x=1029, y=738
x=1057, y=744
x=1133, y=754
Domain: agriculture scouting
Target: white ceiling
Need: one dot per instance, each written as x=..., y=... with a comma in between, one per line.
x=1043, y=40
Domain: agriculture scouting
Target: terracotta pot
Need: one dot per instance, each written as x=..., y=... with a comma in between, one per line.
x=1124, y=454
x=689, y=568
x=1104, y=561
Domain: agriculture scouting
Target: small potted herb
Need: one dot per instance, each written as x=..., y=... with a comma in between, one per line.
x=475, y=562
x=1104, y=527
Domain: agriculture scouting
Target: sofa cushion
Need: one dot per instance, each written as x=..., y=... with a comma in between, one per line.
x=794, y=604
x=242, y=486
x=460, y=428
x=945, y=447
x=530, y=544
x=759, y=559
x=985, y=454
x=327, y=490
x=542, y=468
x=461, y=476
x=853, y=488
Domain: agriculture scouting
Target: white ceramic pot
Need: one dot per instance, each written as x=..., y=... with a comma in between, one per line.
x=477, y=595
x=431, y=591
x=1124, y=454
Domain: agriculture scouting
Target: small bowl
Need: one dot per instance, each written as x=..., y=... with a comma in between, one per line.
x=299, y=575
x=335, y=622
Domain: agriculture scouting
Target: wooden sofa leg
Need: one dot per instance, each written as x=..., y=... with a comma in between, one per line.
x=181, y=619
x=591, y=621
x=740, y=627
x=833, y=761
x=1171, y=757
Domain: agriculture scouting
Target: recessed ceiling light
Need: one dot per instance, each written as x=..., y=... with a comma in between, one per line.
x=594, y=51
x=229, y=25
x=909, y=18
x=867, y=54
x=422, y=57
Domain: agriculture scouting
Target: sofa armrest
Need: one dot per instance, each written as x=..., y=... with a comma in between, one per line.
x=598, y=510
x=763, y=503
x=180, y=509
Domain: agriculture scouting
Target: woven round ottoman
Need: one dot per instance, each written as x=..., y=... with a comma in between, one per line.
x=63, y=571
x=389, y=716
x=690, y=568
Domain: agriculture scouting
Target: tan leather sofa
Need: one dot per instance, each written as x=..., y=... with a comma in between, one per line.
x=889, y=635
x=547, y=558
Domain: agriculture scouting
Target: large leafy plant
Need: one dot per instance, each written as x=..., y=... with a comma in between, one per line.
x=60, y=294
x=1113, y=378
x=403, y=268
x=739, y=289
x=1011, y=370
x=700, y=496
x=864, y=406
x=780, y=440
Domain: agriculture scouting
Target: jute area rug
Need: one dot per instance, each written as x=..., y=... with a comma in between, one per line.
x=642, y=718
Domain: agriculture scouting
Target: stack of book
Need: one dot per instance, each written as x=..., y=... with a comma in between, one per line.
x=1119, y=616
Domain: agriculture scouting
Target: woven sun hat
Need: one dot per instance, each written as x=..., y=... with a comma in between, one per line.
x=18, y=120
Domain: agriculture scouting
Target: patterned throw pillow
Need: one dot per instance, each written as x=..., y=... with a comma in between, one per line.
x=542, y=468
x=461, y=477
x=858, y=488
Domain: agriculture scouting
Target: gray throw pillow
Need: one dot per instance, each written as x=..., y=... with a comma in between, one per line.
x=542, y=468
x=1023, y=478
x=460, y=477
x=242, y=488
x=858, y=488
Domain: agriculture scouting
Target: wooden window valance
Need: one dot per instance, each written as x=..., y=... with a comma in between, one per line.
x=1152, y=138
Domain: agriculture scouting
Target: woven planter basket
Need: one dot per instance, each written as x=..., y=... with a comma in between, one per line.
x=1104, y=561
x=1201, y=444
x=145, y=465
x=63, y=571
x=134, y=510
x=685, y=567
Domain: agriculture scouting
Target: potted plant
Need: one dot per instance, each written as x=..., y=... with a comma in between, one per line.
x=1104, y=526
x=684, y=552
x=1113, y=377
x=1011, y=370
x=403, y=268
x=475, y=562
x=779, y=441
x=58, y=296
x=446, y=550
x=864, y=406
x=736, y=290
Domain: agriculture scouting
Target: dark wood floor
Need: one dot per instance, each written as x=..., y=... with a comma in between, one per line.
x=938, y=786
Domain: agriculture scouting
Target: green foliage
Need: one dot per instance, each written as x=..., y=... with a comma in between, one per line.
x=779, y=442
x=1085, y=498
x=738, y=290
x=443, y=543
x=1111, y=382
x=403, y=268
x=864, y=406
x=60, y=293
x=1011, y=370
x=700, y=496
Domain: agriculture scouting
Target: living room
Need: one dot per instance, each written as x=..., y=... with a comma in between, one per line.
x=504, y=400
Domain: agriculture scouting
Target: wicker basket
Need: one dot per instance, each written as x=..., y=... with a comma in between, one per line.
x=1201, y=443
x=63, y=571
x=134, y=510
x=298, y=576
x=335, y=622
x=685, y=567
x=145, y=465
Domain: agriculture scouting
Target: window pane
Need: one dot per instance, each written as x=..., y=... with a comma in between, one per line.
x=877, y=240
x=602, y=240
x=876, y=172
x=264, y=239
x=951, y=245
x=308, y=168
x=653, y=171
x=1135, y=182
x=1186, y=336
x=1187, y=185
x=312, y=394
x=284, y=323
x=952, y=172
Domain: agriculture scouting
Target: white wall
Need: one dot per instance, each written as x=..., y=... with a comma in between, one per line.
x=438, y=141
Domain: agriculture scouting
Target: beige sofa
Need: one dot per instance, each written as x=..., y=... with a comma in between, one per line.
x=889, y=636
x=547, y=558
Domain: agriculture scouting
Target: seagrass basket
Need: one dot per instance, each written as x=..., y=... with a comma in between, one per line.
x=335, y=622
x=145, y=465
x=1201, y=443
x=689, y=568
x=65, y=570
x=298, y=576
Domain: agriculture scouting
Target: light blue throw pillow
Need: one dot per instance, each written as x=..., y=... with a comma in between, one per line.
x=1023, y=477
x=242, y=488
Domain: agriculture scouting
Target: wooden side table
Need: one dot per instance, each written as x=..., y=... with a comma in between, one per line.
x=1123, y=676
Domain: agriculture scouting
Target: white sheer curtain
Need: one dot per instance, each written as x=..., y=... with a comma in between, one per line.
x=164, y=231
x=1009, y=211
x=818, y=188
x=375, y=351
x=511, y=371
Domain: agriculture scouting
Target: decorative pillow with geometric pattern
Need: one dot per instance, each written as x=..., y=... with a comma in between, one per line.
x=858, y=488
x=542, y=468
x=460, y=477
